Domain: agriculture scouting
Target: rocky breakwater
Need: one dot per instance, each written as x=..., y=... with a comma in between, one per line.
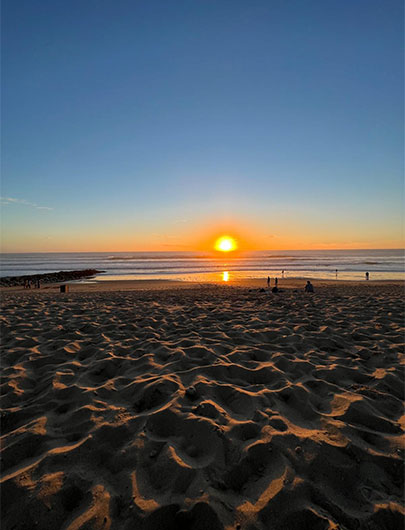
x=50, y=277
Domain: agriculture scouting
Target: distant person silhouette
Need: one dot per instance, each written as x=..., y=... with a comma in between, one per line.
x=367, y=276
x=268, y=281
x=336, y=272
x=276, y=282
x=309, y=288
x=282, y=274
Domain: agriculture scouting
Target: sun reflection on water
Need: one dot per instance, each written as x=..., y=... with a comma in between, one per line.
x=225, y=276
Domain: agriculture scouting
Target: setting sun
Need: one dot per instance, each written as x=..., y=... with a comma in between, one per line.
x=225, y=244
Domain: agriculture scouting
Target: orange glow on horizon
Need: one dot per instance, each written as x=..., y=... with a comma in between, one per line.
x=226, y=244
x=250, y=234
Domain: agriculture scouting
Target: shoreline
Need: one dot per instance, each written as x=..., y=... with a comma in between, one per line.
x=93, y=285
x=201, y=267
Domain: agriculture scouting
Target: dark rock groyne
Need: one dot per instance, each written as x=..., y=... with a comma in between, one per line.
x=49, y=277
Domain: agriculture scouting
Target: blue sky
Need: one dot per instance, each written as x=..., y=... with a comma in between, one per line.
x=146, y=124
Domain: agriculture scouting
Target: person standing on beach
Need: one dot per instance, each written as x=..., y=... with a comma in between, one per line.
x=336, y=271
x=367, y=275
x=276, y=281
x=268, y=282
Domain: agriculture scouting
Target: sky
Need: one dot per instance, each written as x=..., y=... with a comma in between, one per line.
x=159, y=125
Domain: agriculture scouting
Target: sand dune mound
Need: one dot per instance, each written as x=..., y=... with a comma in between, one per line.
x=206, y=408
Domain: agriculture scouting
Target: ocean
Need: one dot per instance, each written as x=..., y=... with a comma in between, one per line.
x=205, y=266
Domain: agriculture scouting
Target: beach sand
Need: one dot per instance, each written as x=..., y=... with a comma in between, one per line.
x=165, y=405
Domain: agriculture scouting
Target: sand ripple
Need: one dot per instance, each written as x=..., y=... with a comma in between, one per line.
x=208, y=408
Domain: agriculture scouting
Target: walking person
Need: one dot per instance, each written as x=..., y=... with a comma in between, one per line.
x=268, y=282
x=367, y=276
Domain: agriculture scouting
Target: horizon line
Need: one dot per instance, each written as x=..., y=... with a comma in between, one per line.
x=194, y=251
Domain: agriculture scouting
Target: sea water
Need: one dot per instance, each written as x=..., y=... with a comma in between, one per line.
x=201, y=266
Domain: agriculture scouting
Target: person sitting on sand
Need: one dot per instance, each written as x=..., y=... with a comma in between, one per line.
x=309, y=288
x=275, y=289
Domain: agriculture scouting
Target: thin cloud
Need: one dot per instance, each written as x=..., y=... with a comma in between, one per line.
x=11, y=200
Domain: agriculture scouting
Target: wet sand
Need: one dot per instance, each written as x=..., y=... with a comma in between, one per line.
x=162, y=405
